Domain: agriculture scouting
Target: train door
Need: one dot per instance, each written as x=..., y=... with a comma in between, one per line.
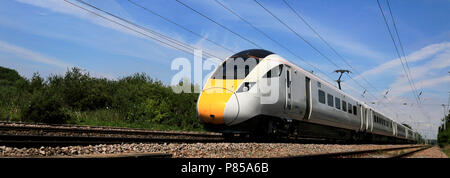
x=370, y=120
x=394, y=127
x=363, y=115
x=308, y=98
x=367, y=115
x=406, y=133
x=288, y=105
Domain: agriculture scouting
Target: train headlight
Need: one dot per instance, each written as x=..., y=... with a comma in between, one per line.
x=246, y=86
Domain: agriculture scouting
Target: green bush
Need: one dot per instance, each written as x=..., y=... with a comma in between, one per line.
x=45, y=107
x=150, y=110
x=76, y=97
x=444, y=134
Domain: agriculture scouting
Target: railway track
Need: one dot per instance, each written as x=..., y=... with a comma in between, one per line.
x=95, y=130
x=28, y=135
x=102, y=156
x=365, y=153
x=35, y=135
x=38, y=135
x=42, y=140
x=409, y=153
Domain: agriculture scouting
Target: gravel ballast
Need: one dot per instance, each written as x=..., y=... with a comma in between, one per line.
x=192, y=150
x=434, y=152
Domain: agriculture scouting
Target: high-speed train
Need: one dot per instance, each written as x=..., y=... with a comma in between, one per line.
x=259, y=93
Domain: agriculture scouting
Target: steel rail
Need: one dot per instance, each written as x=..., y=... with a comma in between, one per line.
x=350, y=153
x=151, y=155
x=404, y=155
x=101, y=130
x=42, y=140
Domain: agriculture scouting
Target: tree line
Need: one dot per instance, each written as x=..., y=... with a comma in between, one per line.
x=444, y=132
x=78, y=98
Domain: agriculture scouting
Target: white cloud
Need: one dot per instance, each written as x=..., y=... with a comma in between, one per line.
x=419, y=55
x=428, y=75
x=64, y=7
x=26, y=54
x=424, y=84
x=422, y=75
x=31, y=55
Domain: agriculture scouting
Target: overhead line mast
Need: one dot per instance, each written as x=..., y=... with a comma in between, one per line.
x=318, y=51
x=325, y=41
x=307, y=42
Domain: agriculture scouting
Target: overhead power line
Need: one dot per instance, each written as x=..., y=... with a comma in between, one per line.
x=298, y=35
x=406, y=71
x=328, y=44
x=184, y=47
x=318, y=51
x=182, y=27
x=309, y=43
x=219, y=24
x=398, y=53
x=270, y=38
x=401, y=46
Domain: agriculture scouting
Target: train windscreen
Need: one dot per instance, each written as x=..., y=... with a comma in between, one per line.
x=240, y=65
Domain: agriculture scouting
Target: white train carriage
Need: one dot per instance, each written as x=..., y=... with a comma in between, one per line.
x=258, y=92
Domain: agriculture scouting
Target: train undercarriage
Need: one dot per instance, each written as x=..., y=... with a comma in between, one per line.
x=271, y=127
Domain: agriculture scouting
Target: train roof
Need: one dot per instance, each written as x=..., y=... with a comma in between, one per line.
x=255, y=53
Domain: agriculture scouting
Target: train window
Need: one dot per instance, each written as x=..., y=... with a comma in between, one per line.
x=236, y=68
x=274, y=72
x=247, y=70
x=337, y=103
x=349, y=108
x=330, y=100
x=321, y=96
x=344, y=106
x=354, y=110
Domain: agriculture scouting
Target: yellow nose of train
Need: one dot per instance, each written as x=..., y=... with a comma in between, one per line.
x=215, y=100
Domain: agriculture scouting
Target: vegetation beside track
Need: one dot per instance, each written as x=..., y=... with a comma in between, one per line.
x=136, y=101
x=444, y=136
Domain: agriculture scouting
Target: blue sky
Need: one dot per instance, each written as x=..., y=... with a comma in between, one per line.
x=48, y=36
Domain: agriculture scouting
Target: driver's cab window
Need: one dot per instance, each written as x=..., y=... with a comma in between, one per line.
x=274, y=72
